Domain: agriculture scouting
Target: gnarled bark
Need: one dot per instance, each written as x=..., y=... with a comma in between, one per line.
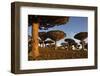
x=35, y=41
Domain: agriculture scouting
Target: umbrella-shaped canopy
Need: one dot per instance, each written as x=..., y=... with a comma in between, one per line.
x=56, y=35
x=47, y=21
x=64, y=44
x=43, y=35
x=81, y=35
x=70, y=41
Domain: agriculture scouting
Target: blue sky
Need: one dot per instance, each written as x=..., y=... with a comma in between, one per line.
x=72, y=27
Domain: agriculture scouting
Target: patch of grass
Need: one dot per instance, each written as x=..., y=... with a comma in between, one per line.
x=52, y=54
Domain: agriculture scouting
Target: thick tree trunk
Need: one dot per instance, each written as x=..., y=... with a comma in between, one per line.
x=83, y=44
x=43, y=44
x=50, y=45
x=35, y=41
x=69, y=47
x=55, y=45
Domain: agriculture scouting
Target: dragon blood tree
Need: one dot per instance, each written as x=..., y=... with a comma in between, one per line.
x=43, y=23
x=64, y=45
x=43, y=37
x=56, y=35
x=70, y=43
x=81, y=36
